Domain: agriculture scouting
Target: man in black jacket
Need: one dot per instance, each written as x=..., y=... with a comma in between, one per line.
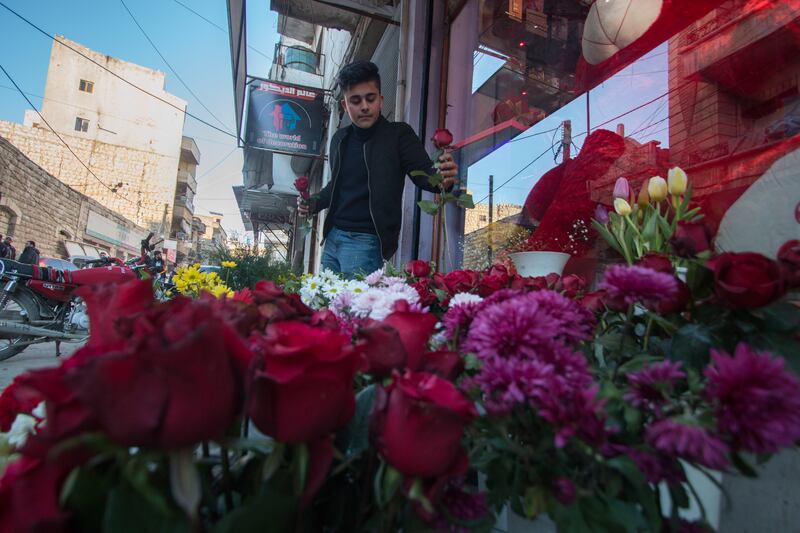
x=369, y=162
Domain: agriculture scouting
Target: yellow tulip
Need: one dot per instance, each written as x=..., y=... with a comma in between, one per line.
x=657, y=188
x=622, y=207
x=677, y=180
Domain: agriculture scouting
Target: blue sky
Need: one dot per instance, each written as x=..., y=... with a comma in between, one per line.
x=200, y=53
x=197, y=50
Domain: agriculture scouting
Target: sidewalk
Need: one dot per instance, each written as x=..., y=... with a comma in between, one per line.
x=36, y=356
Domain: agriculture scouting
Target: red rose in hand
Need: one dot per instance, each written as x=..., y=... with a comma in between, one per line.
x=746, y=280
x=301, y=184
x=418, y=268
x=300, y=387
x=442, y=138
x=418, y=424
x=789, y=258
x=691, y=238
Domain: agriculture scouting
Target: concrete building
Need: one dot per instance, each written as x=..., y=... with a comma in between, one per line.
x=130, y=140
x=214, y=235
x=34, y=205
x=183, y=212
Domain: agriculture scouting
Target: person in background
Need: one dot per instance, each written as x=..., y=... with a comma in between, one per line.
x=30, y=254
x=3, y=247
x=10, y=252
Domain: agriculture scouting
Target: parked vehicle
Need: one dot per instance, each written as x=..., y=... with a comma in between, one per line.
x=38, y=303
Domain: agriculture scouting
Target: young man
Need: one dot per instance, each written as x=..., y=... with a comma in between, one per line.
x=369, y=162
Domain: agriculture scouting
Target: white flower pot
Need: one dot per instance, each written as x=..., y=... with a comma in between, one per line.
x=533, y=264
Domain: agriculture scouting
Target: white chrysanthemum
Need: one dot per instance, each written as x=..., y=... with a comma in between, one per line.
x=391, y=281
x=374, y=278
x=22, y=426
x=464, y=298
x=364, y=303
x=403, y=292
x=357, y=287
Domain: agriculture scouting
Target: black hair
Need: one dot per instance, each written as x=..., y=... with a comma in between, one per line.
x=358, y=72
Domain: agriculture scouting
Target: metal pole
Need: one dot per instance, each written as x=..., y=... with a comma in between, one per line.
x=566, y=139
x=491, y=218
x=588, y=120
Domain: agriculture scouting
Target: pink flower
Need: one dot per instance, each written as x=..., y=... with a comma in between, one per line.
x=622, y=189
x=657, y=466
x=626, y=285
x=651, y=385
x=564, y=490
x=757, y=401
x=521, y=325
x=693, y=443
x=457, y=320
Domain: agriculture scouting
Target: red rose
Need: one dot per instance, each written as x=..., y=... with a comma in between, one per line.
x=157, y=391
x=789, y=258
x=14, y=400
x=418, y=268
x=594, y=301
x=110, y=309
x=677, y=303
x=418, y=424
x=447, y=365
x=274, y=304
x=382, y=348
x=424, y=288
x=746, y=280
x=300, y=386
x=301, y=183
x=657, y=262
x=491, y=284
x=691, y=238
x=459, y=281
x=415, y=330
x=528, y=284
x=442, y=138
x=570, y=285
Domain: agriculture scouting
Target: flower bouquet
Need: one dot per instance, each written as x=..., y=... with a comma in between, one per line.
x=430, y=405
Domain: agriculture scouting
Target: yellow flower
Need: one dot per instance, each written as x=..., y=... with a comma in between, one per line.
x=677, y=181
x=220, y=290
x=229, y=264
x=622, y=207
x=657, y=189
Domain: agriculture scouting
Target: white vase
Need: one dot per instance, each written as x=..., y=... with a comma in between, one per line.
x=533, y=264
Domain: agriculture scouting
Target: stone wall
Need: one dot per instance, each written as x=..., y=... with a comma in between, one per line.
x=34, y=205
x=144, y=181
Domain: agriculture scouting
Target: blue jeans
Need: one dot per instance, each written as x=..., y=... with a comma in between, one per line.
x=350, y=253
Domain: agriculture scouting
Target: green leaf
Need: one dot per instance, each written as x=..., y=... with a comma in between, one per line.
x=465, y=201
x=745, y=468
x=354, y=438
x=435, y=180
x=128, y=511
x=84, y=493
x=271, y=511
x=692, y=343
x=138, y=476
x=429, y=206
x=637, y=363
x=418, y=173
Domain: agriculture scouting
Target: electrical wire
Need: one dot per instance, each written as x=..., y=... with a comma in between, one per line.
x=207, y=172
x=520, y=171
x=220, y=28
x=52, y=37
x=61, y=138
x=171, y=68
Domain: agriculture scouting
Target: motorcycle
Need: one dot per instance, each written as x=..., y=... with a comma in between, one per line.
x=38, y=304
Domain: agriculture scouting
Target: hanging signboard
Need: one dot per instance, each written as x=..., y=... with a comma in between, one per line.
x=284, y=118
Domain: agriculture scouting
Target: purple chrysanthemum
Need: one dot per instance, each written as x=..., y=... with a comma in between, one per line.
x=693, y=443
x=657, y=466
x=526, y=324
x=626, y=285
x=651, y=385
x=757, y=401
x=458, y=318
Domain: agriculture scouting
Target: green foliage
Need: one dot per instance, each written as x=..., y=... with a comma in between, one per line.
x=252, y=265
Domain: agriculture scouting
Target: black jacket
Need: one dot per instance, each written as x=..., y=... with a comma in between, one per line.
x=393, y=152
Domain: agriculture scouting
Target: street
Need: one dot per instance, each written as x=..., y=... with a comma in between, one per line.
x=36, y=356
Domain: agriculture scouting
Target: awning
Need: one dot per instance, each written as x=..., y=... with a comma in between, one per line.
x=81, y=249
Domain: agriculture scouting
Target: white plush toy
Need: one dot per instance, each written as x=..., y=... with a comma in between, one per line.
x=614, y=24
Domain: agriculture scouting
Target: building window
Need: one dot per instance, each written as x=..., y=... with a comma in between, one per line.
x=86, y=86
x=81, y=124
x=483, y=218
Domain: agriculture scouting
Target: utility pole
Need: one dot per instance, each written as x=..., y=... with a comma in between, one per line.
x=566, y=139
x=491, y=218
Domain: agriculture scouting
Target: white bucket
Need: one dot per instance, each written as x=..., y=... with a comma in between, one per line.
x=533, y=264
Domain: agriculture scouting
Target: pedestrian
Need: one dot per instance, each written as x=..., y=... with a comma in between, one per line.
x=30, y=254
x=369, y=161
x=3, y=247
x=10, y=252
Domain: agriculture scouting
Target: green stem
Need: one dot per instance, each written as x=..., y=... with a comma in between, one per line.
x=226, y=477
x=647, y=333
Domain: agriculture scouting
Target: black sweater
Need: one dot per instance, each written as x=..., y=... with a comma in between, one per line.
x=351, y=212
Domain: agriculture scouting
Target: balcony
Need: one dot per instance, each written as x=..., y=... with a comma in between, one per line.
x=298, y=65
x=188, y=179
x=182, y=212
x=185, y=201
x=189, y=151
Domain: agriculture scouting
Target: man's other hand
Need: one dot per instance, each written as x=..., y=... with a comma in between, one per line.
x=448, y=169
x=304, y=206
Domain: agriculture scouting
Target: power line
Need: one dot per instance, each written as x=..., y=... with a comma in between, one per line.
x=220, y=28
x=520, y=171
x=51, y=37
x=204, y=174
x=171, y=68
x=61, y=138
